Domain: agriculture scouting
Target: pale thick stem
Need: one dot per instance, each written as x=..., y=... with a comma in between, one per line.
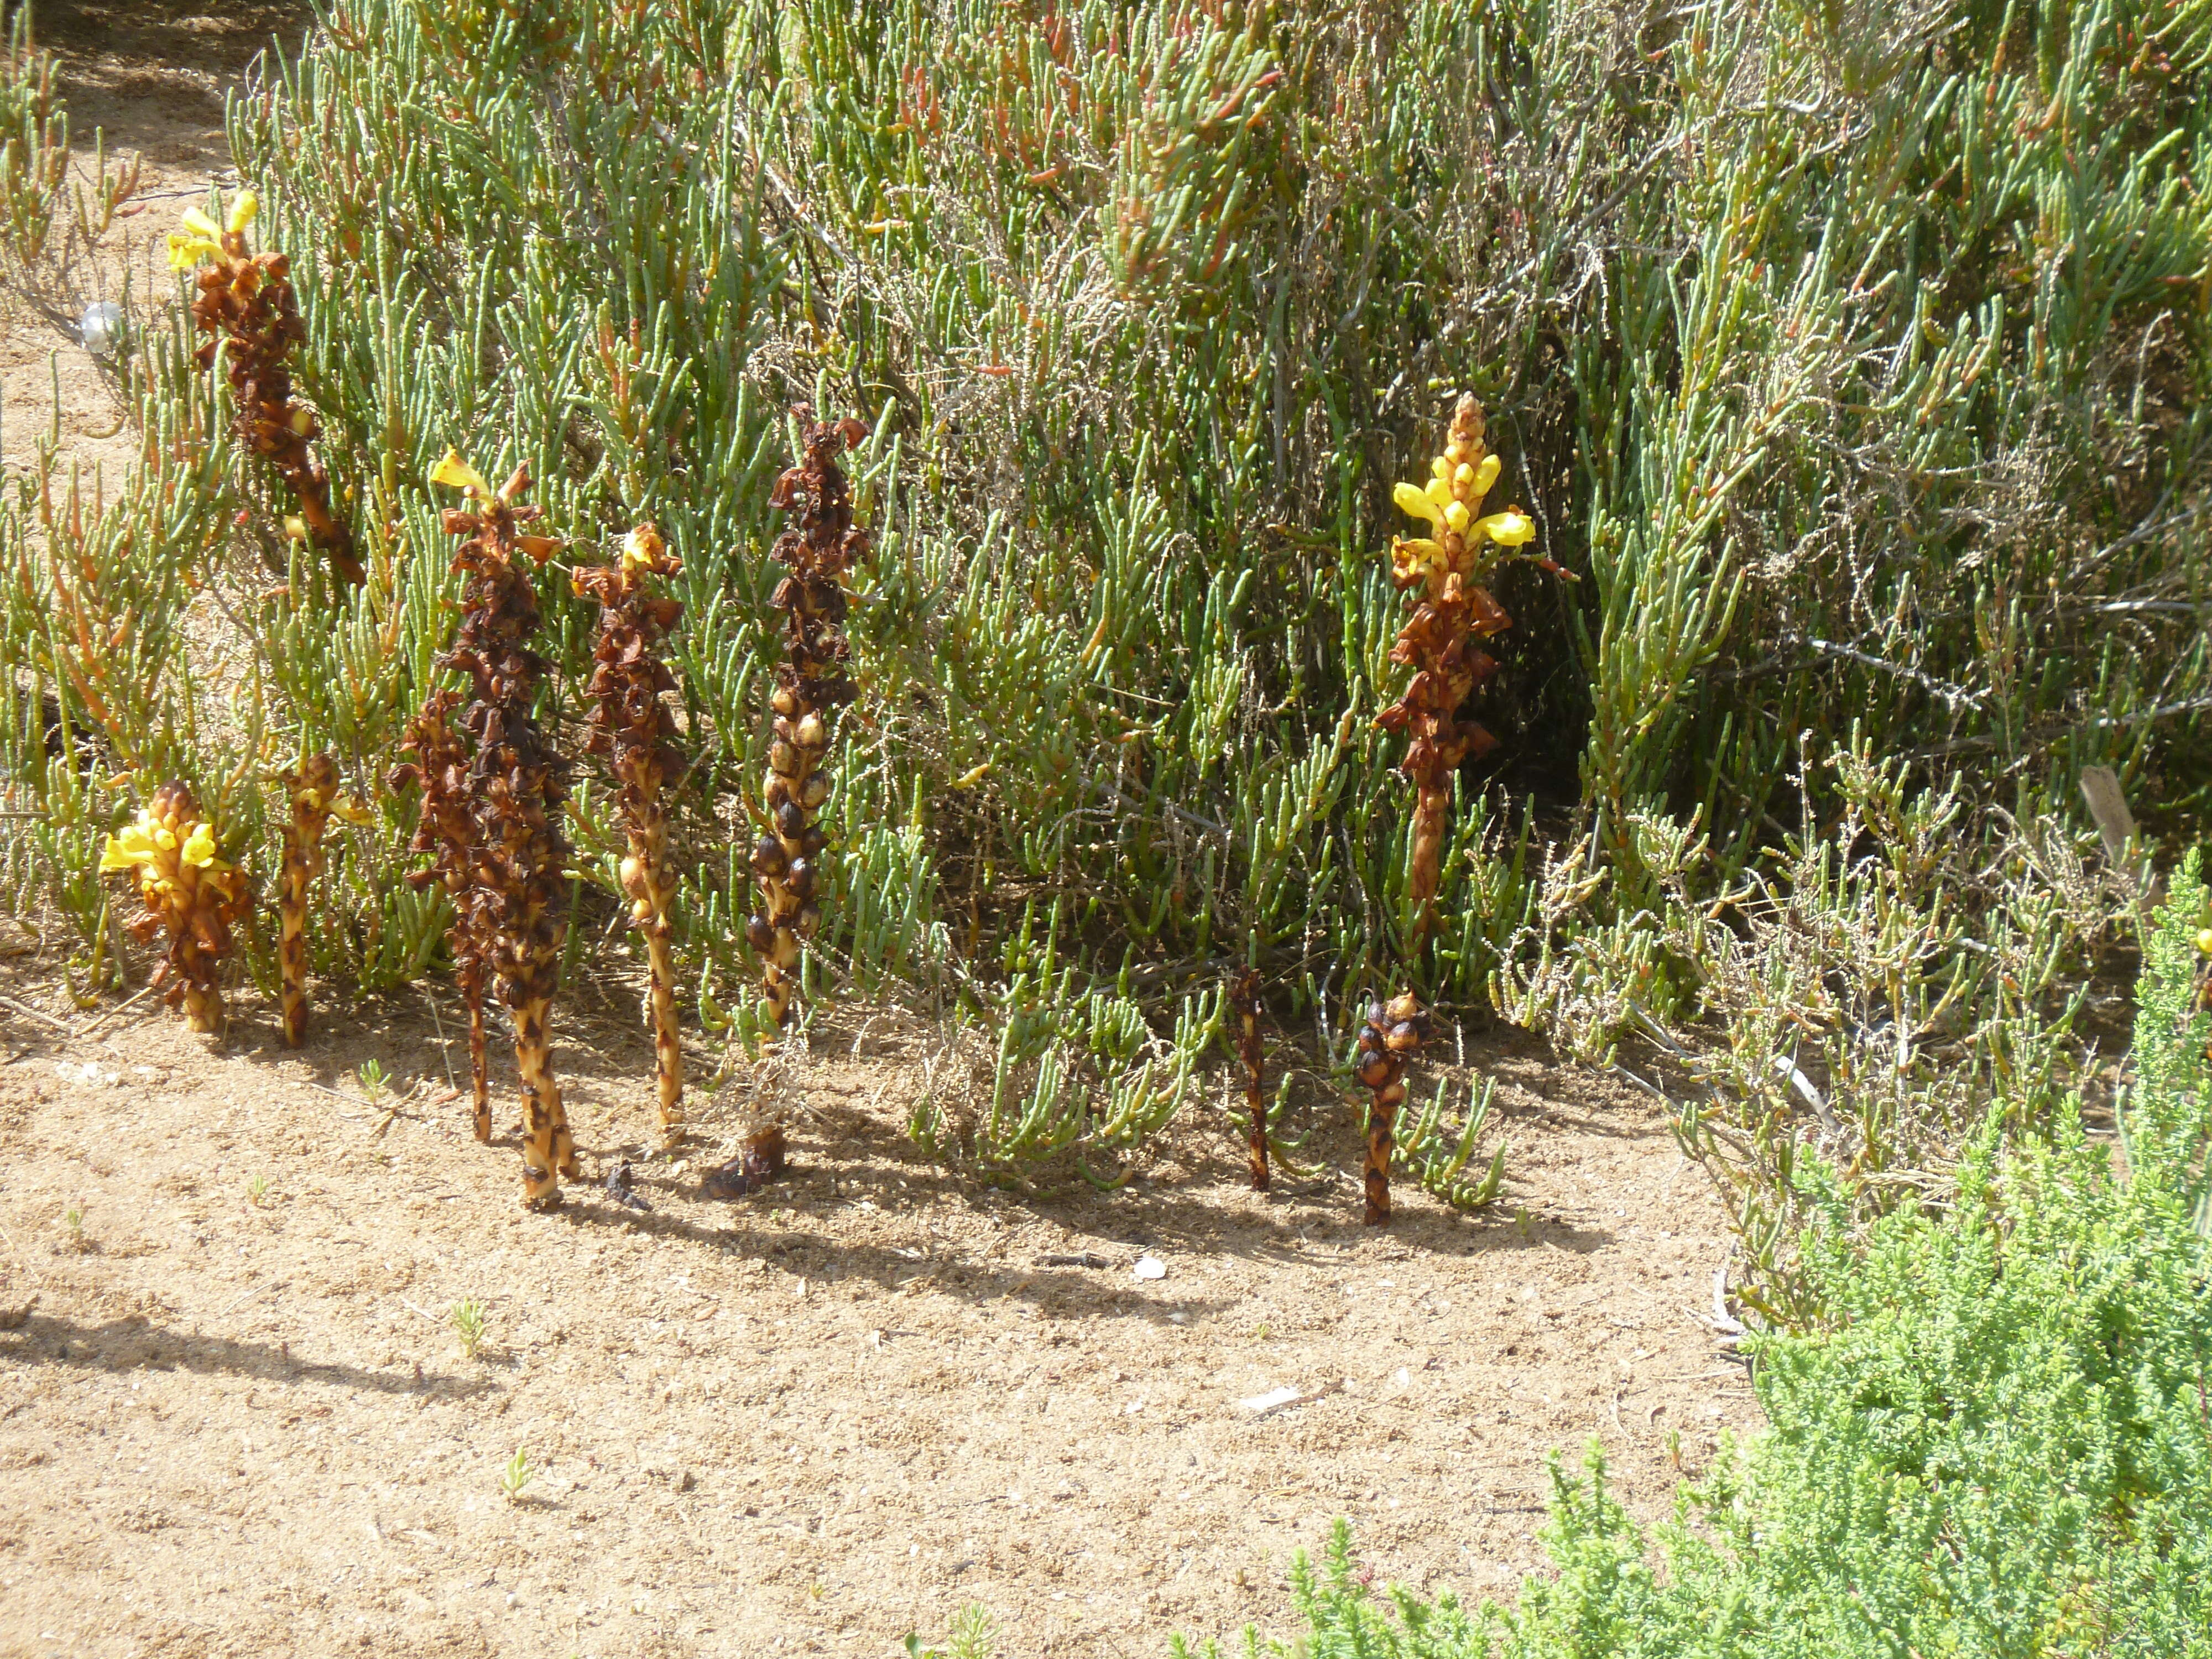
x=204, y=1009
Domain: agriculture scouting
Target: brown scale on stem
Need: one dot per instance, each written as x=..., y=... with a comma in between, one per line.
x=513, y=900
x=1244, y=998
x=313, y=793
x=632, y=728
x=190, y=891
x=1453, y=611
x=811, y=685
x=439, y=767
x=247, y=303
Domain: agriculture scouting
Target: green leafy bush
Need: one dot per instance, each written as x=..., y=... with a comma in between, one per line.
x=1855, y=356
x=2002, y=1447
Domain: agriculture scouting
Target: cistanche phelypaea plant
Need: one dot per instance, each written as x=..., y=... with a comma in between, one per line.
x=190, y=891
x=247, y=303
x=1444, y=573
x=811, y=685
x=517, y=783
x=312, y=792
x=438, y=765
x=632, y=728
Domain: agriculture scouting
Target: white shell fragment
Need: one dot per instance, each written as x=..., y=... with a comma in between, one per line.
x=1273, y=1400
x=1150, y=1267
x=100, y=328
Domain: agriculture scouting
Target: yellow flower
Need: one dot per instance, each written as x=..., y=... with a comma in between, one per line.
x=124, y=851
x=199, y=239
x=1486, y=475
x=2204, y=940
x=1415, y=557
x=640, y=549
x=454, y=471
x=296, y=526
x=199, y=848
x=1414, y=501
x=1456, y=516
x=1511, y=528
x=243, y=207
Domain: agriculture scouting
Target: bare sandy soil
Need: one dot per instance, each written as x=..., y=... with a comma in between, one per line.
x=235, y=1420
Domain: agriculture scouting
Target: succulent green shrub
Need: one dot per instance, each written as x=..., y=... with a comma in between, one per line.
x=1854, y=355
x=2000, y=1448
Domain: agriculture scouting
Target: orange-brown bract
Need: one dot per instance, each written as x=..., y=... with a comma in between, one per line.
x=246, y=301
x=632, y=728
x=189, y=890
x=811, y=684
x=438, y=766
x=1244, y=998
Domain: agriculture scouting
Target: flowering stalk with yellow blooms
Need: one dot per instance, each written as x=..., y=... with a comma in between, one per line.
x=1444, y=572
x=632, y=727
x=515, y=888
x=246, y=301
x=191, y=890
x=313, y=790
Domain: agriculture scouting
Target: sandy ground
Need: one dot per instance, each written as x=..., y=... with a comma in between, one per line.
x=236, y=1419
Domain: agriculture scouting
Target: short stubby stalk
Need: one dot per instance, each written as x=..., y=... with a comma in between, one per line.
x=312, y=793
x=1392, y=1035
x=190, y=891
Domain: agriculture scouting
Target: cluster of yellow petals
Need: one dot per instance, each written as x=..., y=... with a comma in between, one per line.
x=640, y=550
x=154, y=849
x=1451, y=501
x=202, y=238
x=457, y=474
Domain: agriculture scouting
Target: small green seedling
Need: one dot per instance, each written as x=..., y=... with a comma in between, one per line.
x=468, y=1321
x=257, y=1189
x=73, y=1225
x=973, y=1636
x=517, y=1475
x=373, y=1081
